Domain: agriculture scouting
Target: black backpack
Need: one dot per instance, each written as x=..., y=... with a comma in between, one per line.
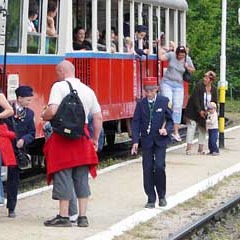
x=69, y=120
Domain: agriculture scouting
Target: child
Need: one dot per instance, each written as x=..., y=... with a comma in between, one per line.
x=212, y=126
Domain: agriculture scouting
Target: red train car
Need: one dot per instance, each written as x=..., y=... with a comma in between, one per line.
x=30, y=57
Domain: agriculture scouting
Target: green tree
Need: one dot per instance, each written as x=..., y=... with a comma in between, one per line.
x=204, y=35
x=204, y=38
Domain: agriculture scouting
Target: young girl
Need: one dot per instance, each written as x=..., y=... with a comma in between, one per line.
x=212, y=126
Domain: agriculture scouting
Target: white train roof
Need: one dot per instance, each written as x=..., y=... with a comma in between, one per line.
x=174, y=4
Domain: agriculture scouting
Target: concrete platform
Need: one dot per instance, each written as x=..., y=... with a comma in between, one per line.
x=117, y=201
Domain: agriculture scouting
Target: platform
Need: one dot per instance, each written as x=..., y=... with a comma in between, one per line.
x=117, y=201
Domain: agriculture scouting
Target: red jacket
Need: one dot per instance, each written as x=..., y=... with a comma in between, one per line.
x=6, y=147
x=62, y=153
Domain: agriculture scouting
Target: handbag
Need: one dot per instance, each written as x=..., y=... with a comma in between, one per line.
x=187, y=76
x=23, y=159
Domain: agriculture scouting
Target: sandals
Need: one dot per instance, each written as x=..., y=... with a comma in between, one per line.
x=188, y=152
x=201, y=152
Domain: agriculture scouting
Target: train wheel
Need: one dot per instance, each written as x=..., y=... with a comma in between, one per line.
x=110, y=139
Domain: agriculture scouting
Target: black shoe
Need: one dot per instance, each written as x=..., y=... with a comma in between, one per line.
x=150, y=205
x=82, y=221
x=58, y=221
x=11, y=214
x=162, y=202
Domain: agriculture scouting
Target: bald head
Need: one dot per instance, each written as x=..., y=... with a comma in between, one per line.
x=65, y=69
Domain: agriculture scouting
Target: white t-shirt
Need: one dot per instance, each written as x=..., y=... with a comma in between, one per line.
x=31, y=27
x=61, y=89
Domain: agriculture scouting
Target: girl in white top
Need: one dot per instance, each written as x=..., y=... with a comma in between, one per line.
x=212, y=126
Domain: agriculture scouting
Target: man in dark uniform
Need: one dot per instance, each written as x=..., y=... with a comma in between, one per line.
x=139, y=41
x=23, y=126
x=152, y=121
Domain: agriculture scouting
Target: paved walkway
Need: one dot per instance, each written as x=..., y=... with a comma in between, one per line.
x=117, y=197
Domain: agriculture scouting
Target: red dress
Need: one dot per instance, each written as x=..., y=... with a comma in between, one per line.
x=62, y=153
x=6, y=147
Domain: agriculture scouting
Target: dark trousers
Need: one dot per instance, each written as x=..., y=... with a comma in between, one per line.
x=154, y=175
x=212, y=140
x=12, y=187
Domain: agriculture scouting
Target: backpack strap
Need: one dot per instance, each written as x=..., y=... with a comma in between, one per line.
x=70, y=86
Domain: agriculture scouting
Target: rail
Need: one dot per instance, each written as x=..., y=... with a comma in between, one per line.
x=213, y=216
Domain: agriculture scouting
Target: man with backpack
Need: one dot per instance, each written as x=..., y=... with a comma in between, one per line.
x=70, y=159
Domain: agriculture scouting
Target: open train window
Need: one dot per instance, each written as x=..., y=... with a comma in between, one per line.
x=52, y=27
x=13, y=23
x=33, y=27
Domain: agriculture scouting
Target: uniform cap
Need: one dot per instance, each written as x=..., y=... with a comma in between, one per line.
x=150, y=83
x=141, y=28
x=24, y=91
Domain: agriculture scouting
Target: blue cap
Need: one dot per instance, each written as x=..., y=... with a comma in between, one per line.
x=24, y=91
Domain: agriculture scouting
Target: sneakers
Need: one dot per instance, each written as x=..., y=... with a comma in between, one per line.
x=215, y=153
x=1, y=202
x=82, y=221
x=162, y=202
x=73, y=219
x=177, y=137
x=58, y=221
x=11, y=214
x=150, y=205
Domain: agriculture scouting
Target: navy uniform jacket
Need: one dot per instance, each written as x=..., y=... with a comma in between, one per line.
x=141, y=118
x=24, y=125
x=140, y=52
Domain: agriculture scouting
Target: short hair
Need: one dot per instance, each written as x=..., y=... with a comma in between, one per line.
x=52, y=6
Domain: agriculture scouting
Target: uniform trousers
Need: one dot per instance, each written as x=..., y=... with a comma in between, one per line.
x=12, y=187
x=154, y=175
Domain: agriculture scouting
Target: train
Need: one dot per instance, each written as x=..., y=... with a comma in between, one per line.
x=30, y=58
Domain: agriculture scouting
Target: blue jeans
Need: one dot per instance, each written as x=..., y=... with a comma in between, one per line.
x=174, y=91
x=212, y=140
x=1, y=185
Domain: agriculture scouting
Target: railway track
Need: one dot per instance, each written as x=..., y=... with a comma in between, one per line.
x=204, y=225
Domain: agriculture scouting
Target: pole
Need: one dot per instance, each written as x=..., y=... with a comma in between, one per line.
x=222, y=84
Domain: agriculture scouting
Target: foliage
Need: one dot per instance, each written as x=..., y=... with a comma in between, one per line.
x=204, y=19
x=203, y=35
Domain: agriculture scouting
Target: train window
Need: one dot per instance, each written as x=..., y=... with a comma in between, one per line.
x=171, y=25
x=52, y=27
x=180, y=28
x=82, y=13
x=33, y=28
x=82, y=24
x=162, y=27
x=102, y=25
x=13, y=23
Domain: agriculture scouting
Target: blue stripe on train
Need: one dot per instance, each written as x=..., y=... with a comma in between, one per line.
x=54, y=59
